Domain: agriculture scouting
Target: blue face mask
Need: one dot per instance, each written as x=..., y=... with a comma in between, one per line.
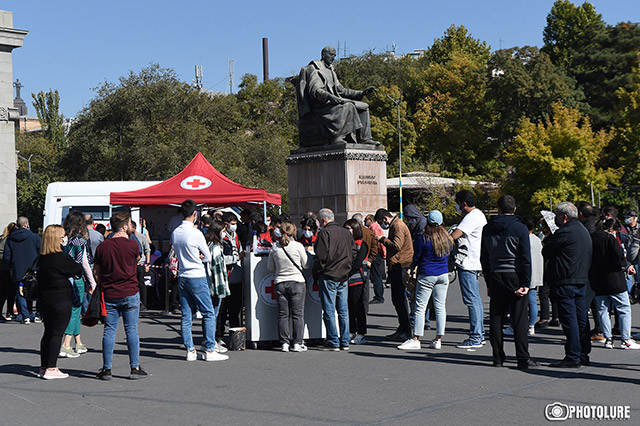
x=384, y=225
x=277, y=232
x=307, y=233
x=458, y=209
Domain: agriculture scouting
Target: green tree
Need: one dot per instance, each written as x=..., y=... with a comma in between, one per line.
x=457, y=40
x=557, y=159
x=47, y=106
x=568, y=31
x=524, y=83
x=626, y=141
x=453, y=118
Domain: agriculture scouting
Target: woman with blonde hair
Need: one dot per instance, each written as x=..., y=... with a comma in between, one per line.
x=55, y=268
x=430, y=255
x=288, y=258
x=77, y=247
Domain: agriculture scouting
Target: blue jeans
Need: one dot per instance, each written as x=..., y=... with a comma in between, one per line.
x=334, y=297
x=129, y=308
x=426, y=285
x=471, y=297
x=23, y=308
x=533, y=306
x=622, y=307
x=195, y=296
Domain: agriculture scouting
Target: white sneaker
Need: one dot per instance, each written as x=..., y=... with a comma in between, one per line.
x=435, y=344
x=54, y=374
x=285, y=347
x=26, y=321
x=198, y=315
x=38, y=320
x=220, y=349
x=532, y=331
x=298, y=348
x=215, y=356
x=629, y=344
x=359, y=339
x=608, y=343
x=409, y=345
x=508, y=331
x=221, y=342
x=192, y=355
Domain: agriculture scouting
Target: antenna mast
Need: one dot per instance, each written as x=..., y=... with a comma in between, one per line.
x=231, y=72
x=197, y=82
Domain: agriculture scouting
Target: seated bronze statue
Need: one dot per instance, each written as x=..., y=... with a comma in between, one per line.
x=328, y=112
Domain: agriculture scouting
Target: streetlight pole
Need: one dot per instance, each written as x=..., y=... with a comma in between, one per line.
x=397, y=102
x=28, y=160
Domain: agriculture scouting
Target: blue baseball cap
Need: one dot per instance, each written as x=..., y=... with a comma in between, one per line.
x=434, y=217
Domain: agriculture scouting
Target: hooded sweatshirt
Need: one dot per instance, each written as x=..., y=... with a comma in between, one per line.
x=415, y=221
x=20, y=250
x=506, y=248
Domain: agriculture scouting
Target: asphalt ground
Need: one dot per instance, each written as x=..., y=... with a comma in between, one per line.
x=370, y=384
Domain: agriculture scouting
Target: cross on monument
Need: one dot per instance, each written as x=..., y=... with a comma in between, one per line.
x=270, y=289
x=18, y=86
x=196, y=183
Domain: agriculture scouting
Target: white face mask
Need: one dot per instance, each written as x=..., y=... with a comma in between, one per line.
x=232, y=228
x=65, y=241
x=277, y=232
x=627, y=220
x=268, y=223
x=307, y=233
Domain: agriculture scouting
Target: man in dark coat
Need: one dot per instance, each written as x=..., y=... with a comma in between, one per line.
x=21, y=250
x=568, y=256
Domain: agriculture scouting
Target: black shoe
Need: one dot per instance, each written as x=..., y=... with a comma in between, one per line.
x=329, y=347
x=554, y=323
x=137, y=373
x=498, y=363
x=565, y=364
x=528, y=364
x=104, y=374
x=541, y=324
x=375, y=301
x=585, y=362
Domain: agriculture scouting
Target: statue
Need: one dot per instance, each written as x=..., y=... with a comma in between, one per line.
x=329, y=113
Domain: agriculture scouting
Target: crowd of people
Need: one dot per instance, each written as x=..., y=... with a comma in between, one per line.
x=582, y=259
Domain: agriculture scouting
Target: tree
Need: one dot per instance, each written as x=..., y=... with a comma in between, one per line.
x=457, y=40
x=556, y=160
x=524, y=83
x=453, y=117
x=568, y=30
x=47, y=107
x=626, y=141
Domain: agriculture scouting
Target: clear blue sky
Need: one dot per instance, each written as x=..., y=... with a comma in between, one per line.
x=74, y=46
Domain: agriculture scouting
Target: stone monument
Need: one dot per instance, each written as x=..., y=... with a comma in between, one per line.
x=10, y=39
x=338, y=165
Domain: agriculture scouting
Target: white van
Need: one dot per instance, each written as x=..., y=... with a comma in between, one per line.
x=88, y=197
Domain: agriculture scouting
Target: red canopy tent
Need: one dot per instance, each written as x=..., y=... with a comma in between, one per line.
x=200, y=182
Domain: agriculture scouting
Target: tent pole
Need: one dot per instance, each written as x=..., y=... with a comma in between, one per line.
x=264, y=211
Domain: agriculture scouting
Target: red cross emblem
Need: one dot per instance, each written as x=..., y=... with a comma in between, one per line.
x=271, y=289
x=195, y=183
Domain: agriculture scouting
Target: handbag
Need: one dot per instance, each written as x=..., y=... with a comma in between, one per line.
x=97, y=311
x=30, y=282
x=410, y=279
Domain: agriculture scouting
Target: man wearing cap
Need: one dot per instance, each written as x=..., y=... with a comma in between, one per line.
x=505, y=256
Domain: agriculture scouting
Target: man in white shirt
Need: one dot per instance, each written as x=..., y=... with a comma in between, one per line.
x=468, y=236
x=193, y=289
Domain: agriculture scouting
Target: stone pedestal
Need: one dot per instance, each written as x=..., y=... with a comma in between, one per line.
x=348, y=179
x=10, y=38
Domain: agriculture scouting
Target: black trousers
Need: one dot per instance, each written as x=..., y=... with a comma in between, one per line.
x=544, y=294
x=291, y=297
x=574, y=321
x=141, y=286
x=7, y=291
x=231, y=307
x=399, y=298
x=503, y=300
x=377, y=278
x=55, y=308
x=357, y=309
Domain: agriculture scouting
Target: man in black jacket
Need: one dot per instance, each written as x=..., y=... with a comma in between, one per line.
x=331, y=268
x=506, y=263
x=21, y=250
x=568, y=256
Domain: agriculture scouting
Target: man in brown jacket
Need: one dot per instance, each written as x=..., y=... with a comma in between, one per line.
x=399, y=257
